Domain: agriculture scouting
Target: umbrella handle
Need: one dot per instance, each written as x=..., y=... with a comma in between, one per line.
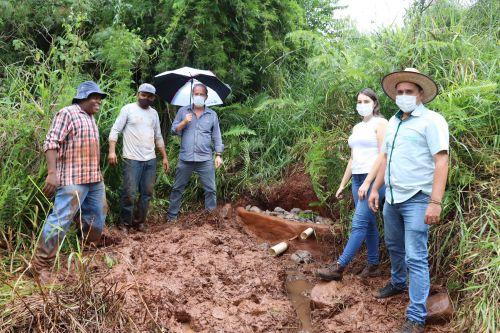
x=191, y=94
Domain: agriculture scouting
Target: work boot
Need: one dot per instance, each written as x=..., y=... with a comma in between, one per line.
x=370, y=271
x=388, y=291
x=411, y=326
x=333, y=272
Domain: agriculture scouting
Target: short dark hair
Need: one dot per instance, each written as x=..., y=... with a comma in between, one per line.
x=373, y=96
x=201, y=85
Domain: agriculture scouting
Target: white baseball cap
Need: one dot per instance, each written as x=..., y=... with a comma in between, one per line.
x=147, y=88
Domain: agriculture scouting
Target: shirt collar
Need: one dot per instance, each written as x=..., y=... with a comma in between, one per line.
x=419, y=110
x=79, y=109
x=205, y=109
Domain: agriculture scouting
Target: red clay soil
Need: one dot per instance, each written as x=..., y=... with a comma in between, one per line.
x=206, y=274
x=294, y=191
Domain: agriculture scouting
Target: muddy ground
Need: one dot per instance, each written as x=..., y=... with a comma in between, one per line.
x=206, y=274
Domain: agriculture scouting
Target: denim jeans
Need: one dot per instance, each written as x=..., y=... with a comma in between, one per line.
x=138, y=176
x=406, y=239
x=89, y=200
x=364, y=225
x=206, y=171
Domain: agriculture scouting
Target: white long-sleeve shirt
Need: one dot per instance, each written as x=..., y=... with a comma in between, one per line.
x=141, y=129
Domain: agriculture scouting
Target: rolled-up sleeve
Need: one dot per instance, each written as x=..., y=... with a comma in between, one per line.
x=177, y=121
x=61, y=125
x=216, y=136
x=158, y=136
x=119, y=124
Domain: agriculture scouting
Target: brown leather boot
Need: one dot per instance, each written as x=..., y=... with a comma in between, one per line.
x=334, y=272
x=40, y=267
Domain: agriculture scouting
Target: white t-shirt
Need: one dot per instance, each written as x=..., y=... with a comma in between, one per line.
x=364, y=146
x=141, y=129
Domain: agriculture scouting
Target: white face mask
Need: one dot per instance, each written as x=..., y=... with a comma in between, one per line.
x=407, y=103
x=364, y=109
x=198, y=100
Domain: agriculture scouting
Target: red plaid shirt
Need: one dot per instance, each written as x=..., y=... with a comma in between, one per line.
x=75, y=136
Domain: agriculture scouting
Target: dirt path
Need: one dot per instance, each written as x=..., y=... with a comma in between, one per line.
x=207, y=275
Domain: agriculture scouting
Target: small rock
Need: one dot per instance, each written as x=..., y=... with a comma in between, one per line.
x=329, y=295
x=289, y=216
x=218, y=313
x=279, y=210
x=248, y=207
x=302, y=257
x=226, y=212
x=326, y=220
x=295, y=210
x=439, y=308
x=307, y=211
x=255, y=209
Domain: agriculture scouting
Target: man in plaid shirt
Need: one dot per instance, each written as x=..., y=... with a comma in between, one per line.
x=72, y=151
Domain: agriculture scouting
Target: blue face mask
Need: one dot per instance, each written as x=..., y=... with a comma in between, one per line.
x=407, y=103
x=198, y=100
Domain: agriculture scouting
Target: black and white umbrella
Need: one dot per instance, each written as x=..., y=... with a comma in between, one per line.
x=175, y=86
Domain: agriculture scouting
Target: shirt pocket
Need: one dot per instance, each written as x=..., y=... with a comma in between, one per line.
x=206, y=125
x=411, y=140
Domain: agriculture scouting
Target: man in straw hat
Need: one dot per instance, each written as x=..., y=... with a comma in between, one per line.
x=74, y=175
x=415, y=161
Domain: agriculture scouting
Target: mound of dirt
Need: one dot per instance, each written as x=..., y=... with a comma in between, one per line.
x=201, y=276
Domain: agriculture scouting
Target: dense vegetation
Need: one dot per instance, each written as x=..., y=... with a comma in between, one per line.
x=295, y=72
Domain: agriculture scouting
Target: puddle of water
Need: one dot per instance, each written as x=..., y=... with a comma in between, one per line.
x=298, y=291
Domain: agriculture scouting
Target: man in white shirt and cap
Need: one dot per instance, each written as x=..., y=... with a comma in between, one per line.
x=140, y=126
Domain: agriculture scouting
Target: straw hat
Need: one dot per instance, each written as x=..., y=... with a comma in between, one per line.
x=390, y=81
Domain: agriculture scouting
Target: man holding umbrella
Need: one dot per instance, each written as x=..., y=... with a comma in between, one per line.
x=198, y=127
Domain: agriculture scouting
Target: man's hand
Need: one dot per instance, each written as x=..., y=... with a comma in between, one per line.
x=373, y=200
x=112, y=159
x=218, y=162
x=339, y=195
x=432, y=213
x=166, y=165
x=188, y=118
x=51, y=184
x=363, y=190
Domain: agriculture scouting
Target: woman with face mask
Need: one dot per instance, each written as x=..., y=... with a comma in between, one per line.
x=365, y=143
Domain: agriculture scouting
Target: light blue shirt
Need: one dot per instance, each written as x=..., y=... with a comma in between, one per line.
x=410, y=146
x=200, y=137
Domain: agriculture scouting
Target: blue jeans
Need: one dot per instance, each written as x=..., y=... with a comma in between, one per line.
x=406, y=239
x=364, y=226
x=137, y=176
x=206, y=171
x=89, y=200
